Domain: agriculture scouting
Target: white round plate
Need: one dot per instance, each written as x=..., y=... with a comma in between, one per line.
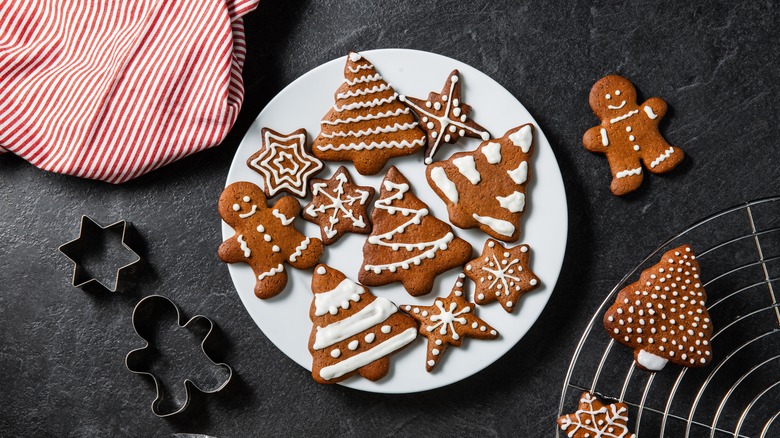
x=285, y=318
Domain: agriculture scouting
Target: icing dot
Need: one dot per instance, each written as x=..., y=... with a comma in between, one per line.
x=236, y=207
x=438, y=342
x=509, y=304
x=474, y=325
x=353, y=345
x=336, y=352
x=453, y=128
x=386, y=329
x=493, y=332
x=617, y=92
x=636, y=147
x=370, y=337
x=247, y=199
x=435, y=352
x=533, y=282
x=481, y=297
x=277, y=249
x=631, y=137
x=444, y=98
x=437, y=106
x=608, y=96
x=320, y=270
x=431, y=362
x=628, y=129
x=430, y=125
x=260, y=228
x=491, y=244
x=267, y=238
x=483, y=328
x=428, y=104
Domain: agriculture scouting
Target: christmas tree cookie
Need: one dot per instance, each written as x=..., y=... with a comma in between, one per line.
x=353, y=331
x=486, y=188
x=367, y=125
x=663, y=316
x=595, y=419
x=408, y=244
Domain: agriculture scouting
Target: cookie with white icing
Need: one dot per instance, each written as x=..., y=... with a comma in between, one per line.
x=339, y=206
x=408, y=244
x=447, y=322
x=595, y=419
x=663, y=317
x=368, y=124
x=502, y=274
x=486, y=188
x=266, y=238
x=353, y=331
x=628, y=134
x=284, y=163
x=444, y=116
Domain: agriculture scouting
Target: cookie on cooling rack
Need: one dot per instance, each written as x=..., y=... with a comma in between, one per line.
x=663, y=316
x=595, y=419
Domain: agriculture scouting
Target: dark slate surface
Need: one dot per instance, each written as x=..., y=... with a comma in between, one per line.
x=62, y=349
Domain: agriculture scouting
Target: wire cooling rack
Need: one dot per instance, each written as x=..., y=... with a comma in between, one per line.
x=738, y=393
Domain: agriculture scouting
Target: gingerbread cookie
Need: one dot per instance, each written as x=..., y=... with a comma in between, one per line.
x=444, y=116
x=447, y=322
x=283, y=162
x=367, y=125
x=265, y=236
x=486, y=188
x=502, y=274
x=628, y=133
x=595, y=419
x=408, y=244
x=663, y=316
x=339, y=206
x=353, y=331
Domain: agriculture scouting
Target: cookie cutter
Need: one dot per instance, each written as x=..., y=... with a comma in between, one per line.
x=90, y=235
x=134, y=360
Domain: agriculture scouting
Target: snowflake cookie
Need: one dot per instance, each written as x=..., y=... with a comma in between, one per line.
x=663, y=317
x=595, y=419
x=339, y=206
x=447, y=322
x=265, y=237
x=283, y=162
x=502, y=274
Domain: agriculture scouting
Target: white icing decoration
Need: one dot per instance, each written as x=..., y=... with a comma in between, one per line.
x=523, y=138
x=242, y=242
x=335, y=353
x=617, y=107
x=355, y=57
x=370, y=338
x=364, y=79
x=282, y=218
x=278, y=177
x=650, y=361
x=363, y=91
x=249, y=213
x=519, y=175
x=329, y=302
x=321, y=270
x=386, y=329
x=514, y=202
x=279, y=268
x=360, y=67
x=444, y=184
x=371, y=131
x=628, y=172
x=299, y=249
x=353, y=345
x=236, y=207
x=612, y=423
x=367, y=317
x=649, y=112
x=467, y=167
x=624, y=116
x=666, y=154
x=339, y=201
x=369, y=104
x=499, y=226
x=373, y=145
x=447, y=318
x=376, y=116
x=366, y=357
x=276, y=248
x=604, y=138
x=492, y=152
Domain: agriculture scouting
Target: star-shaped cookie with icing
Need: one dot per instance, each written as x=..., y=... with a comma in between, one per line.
x=444, y=117
x=502, y=274
x=595, y=419
x=283, y=162
x=339, y=206
x=447, y=322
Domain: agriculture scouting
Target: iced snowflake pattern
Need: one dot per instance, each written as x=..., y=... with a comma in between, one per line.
x=595, y=419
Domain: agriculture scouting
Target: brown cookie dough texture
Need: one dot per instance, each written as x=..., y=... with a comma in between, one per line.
x=628, y=134
x=408, y=244
x=595, y=419
x=486, y=188
x=283, y=162
x=353, y=331
x=367, y=125
x=663, y=317
x=265, y=237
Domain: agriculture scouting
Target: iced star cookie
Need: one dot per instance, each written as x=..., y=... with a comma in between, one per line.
x=367, y=125
x=447, y=322
x=444, y=116
x=283, y=162
x=353, y=331
x=628, y=133
x=339, y=206
x=663, y=317
x=407, y=243
x=265, y=237
x=502, y=274
x=595, y=419
x=486, y=188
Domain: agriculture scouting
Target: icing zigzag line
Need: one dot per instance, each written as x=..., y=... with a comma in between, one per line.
x=628, y=172
x=369, y=104
x=363, y=92
x=667, y=153
x=279, y=268
x=368, y=117
x=299, y=250
x=363, y=146
x=379, y=130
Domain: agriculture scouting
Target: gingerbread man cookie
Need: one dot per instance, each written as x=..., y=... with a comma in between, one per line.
x=265, y=236
x=283, y=162
x=628, y=133
x=595, y=419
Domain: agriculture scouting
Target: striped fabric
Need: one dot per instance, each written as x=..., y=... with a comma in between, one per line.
x=110, y=90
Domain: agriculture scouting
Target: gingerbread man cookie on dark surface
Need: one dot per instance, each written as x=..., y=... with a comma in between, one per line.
x=265, y=236
x=628, y=134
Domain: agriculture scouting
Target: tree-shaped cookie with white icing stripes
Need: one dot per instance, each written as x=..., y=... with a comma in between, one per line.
x=663, y=317
x=367, y=125
x=408, y=244
x=594, y=419
x=486, y=188
x=353, y=332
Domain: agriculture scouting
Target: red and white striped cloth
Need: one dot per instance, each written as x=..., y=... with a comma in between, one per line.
x=110, y=90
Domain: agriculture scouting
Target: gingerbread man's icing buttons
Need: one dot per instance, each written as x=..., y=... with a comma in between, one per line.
x=284, y=163
x=628, y=134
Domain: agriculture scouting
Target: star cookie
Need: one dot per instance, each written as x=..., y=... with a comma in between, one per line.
x=595, y=419
x=501, y=274
x=283, y=162
x=444, y=117
x=339, y=206
x=447, y=322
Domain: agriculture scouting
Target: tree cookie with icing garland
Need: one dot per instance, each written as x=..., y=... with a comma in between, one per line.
x=339, y=206
x=628, y=134
x=283, y=162
x=486, y=188
x=502, y=274
x=408, y=244
x=367, y=125
x=353, y=332
x=265, y=237
x=663, y=317
x=595, y=419
x=447, y=322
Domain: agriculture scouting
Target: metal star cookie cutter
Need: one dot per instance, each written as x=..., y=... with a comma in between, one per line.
x=90, y=237
x=135, y=359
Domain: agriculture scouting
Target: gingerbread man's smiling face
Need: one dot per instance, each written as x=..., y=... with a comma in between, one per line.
x=242, y=203
x=612, y=96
